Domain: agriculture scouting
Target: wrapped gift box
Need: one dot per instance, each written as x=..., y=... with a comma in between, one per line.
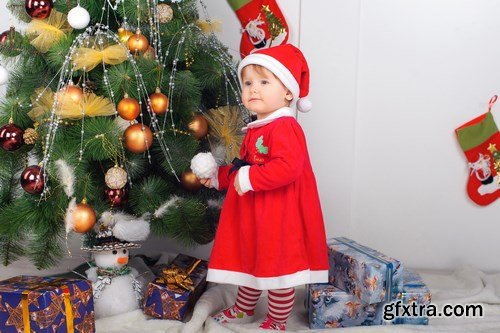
x=46, y=304
x=414, y=291
x=171, y=296
x=370, y=275
x=330, y=307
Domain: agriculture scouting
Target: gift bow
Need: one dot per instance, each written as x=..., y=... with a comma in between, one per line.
x=175, y=277
x=90, y=58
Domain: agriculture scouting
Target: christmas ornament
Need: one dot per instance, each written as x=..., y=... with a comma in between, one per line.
x=138, y=42
x=150, y=54
x=159, y=102
x=38, y=9
x=72, y=92
x=44, y=34
x=190, y=182
x=198, y=126
x=11, y=136
x=225, y=124
x=128, y=108
x=10, y=42
x=476, y=138
x=209, y=27
x=116, y=178
x=78, y=17
x=32, y=180
x=116, y=197
x=204, y=166
x=91, y=58
x=124, y=35
x=83, y=217
x=262, y=22
x=94, y=106
x=165, y=13
x=138, y=138
x=30, y=136
x=4, y=75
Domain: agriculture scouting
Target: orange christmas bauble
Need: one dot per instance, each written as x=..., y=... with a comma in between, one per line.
x=159, y=102
x=190, y=182
x=198, y=126
x=138, y=42
x=75, y=93
x=83, y=218
x=136, y=139
x=128, y=108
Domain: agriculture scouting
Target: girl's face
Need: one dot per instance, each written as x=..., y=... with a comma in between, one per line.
x=263, y=93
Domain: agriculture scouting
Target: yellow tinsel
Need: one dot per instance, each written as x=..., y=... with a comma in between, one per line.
x=93, y=105
x=209, y=27
x=90, y=58
x=225, y=124
x=45, y=33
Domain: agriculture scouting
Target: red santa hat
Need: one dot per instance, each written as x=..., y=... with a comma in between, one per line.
x=288, y=63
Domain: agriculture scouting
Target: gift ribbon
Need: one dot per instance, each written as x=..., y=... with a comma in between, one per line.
x=388, y=264
x=237, y=164
x=90, y=58
x=175, y=277
x=67, y=305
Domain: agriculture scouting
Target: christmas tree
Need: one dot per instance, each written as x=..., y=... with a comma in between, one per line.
x=107, y=102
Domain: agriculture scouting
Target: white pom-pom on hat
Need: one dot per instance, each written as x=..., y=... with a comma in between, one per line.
x=304, y=104
x=204, y=165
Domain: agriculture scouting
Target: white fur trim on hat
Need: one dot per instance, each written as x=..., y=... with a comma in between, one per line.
x=277, y=68
x=304, y=104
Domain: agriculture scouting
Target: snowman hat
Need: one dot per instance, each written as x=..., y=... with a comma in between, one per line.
x=290, y=66
x=116, y=231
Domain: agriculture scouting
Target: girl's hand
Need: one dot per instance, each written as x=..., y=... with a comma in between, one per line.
x=237, y=185
x=206, y=181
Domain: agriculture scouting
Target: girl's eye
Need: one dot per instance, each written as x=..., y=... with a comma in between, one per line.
x=264, y=82
x=247, y=83
x=115, y=252
x=124, y=251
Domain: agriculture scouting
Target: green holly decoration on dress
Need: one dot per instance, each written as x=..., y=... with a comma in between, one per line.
x=260, y=145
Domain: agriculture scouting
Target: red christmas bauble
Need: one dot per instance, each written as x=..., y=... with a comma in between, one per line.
x=11, y=137
x=39, y=9
x=4, y=36
x=32, y=179
x=116, y=196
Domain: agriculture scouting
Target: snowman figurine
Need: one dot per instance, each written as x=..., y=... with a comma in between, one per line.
x=115, y=285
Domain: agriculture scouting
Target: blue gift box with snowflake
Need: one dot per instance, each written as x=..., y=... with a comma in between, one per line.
x=175, y=292
x=414, y=291
x=330, y=307
x=46, y=304
x=370, y=275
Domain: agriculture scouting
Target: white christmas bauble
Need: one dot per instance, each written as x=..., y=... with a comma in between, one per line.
x=165, y=13
x=4, y=75
x=78, y=17
x=203, y=165
x=116, y=178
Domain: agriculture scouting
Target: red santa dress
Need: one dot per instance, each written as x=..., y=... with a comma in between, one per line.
x=273, y=236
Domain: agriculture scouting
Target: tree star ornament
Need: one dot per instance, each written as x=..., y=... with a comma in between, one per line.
x=116, y=178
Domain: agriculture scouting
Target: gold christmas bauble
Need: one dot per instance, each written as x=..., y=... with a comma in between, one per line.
x=165, y=13
x=75, y=93
x=124, y=35
x=83, y=218
x=198, y=126
x=159, y=102
x=128, y=108
x=30, y=136
x=116, y=178
x=138, y=140
x=150, y=54
x=138, y=42
x=190, y=182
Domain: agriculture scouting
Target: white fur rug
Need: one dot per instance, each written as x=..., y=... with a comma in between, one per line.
x=465, y=286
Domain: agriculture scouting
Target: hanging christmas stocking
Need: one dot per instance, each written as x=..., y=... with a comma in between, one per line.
x=480, y=139
x=262, y=24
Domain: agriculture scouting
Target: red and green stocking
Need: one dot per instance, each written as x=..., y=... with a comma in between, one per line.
x=480, y=139
x=262, y=24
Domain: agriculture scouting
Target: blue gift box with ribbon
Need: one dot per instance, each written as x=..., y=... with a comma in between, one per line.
x=364, y=272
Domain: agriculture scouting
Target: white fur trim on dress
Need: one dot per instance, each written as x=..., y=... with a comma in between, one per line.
x=266, y=283
x=282, y=112
x=277, y=68
x=244, y=179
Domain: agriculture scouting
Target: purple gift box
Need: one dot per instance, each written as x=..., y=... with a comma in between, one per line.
x=364, y=272
x=46, y=304
x=172, y=295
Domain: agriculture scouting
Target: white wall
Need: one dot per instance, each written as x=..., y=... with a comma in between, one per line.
x=391, y=80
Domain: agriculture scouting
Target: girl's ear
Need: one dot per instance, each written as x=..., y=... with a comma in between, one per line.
x=289, y=96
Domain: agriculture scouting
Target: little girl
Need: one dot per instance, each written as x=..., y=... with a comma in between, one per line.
x=271, y=234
